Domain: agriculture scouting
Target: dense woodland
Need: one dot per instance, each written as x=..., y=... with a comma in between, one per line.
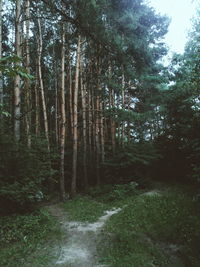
x=86, y=100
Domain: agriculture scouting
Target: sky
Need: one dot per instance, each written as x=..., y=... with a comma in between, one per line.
x=181, y=13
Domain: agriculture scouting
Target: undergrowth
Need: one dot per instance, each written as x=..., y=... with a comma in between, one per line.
x=138, y=234
x=90, y=207
x=141, y=235
x=28, y=240
x=84, y=209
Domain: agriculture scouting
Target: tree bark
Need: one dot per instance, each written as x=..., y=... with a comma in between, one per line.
x=40, y=47
x=56, y=112
x=123, y=107
x=71, y=102
x=75, y=121
x=17, y=81
x=63, y=119
x=90, y=122
x=27, y=81
x=83, y=100
x=37, y=106
x=111, y=106
x=102, y=133
x=98, y=124
x=1, y=77
x=128, y=124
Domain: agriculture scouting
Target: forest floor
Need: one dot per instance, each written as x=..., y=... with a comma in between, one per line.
x=81, y=240
x=79, y=243
x=119, y=226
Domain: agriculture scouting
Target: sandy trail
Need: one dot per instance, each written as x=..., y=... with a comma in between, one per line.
x=79, y=248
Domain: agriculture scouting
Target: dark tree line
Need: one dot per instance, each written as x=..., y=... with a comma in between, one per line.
x=84, y=99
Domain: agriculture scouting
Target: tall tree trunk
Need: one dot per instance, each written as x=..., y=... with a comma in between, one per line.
x=17, y=81
x=97, y=123
x=40, y=47
x=1, y=77
x=37, y=106
x=83, y=99
x=93, y=108
x=55, y=83
x=112, y=121
x=128, y=124
x=56, y=111
x=63, y=118
x=102, y=133
x=71, y=102
x=75, y=121
x=90, y=122
x=123, y=107
x=27, y=82
x=111, y=106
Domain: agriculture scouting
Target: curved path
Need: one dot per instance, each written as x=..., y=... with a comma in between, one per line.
x=79, y=245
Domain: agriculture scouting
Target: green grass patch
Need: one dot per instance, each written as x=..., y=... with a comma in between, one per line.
x=134, y=235
x=84, y=209
x=98, y=199
x=28, y=240
x=115, y=195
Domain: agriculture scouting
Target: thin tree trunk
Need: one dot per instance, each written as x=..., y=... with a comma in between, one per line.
x=55, y=82
x=40, y=47
x=83, y=98
x=75, y=122
x=90, y=122
x=123, y=107
x=97, y=124
x=113, y=126
x=37, y=107
x=27, y=82
x=17, y=81
x=1, y=77
x=71, y=102
x=111, y=106
x=97, y=138
x=56, y=112
x=128, y=125
x=93, y=124
x=102, y=133
x=63, y=119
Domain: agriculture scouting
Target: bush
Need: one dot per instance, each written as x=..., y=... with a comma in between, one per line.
x=28, y=240
x=24, y=174
x=146, y=222
x=23, y=228
x=112, y=193
x=131, y=163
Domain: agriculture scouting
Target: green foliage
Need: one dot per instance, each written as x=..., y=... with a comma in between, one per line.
x=22, y=228
x=84, y=209
x=131, y=162
x=138, y=233
x=24, y=174
x=120, y=191
x=3, y=112
x=8, y=69
x=26, y=239
x=179, y=142
x=112, y=194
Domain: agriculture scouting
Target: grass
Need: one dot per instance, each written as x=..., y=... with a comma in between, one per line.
x=141, y=235
x=84, y=209
x=142, y=232
x=90, y=207
x=28, y=240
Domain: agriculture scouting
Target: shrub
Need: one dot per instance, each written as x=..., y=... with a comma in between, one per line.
x=24, y=174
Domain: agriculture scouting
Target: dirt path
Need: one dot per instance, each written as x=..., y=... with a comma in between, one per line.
x=79, y=245
x=79, y=242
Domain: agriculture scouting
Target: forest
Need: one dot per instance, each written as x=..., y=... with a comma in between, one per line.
x=93, y=120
